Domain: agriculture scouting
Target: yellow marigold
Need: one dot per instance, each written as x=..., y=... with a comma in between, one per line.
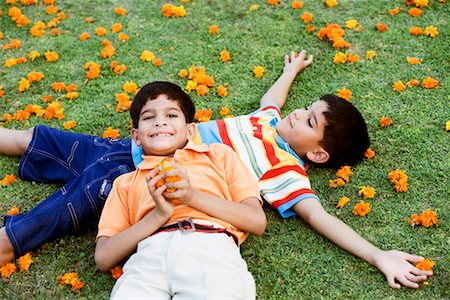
x=351, y=24
x=222, y=91
x=147, y=56
x=273, y=2
x=367, y=192
x=51, y=10
x=120, y=11
x=84, y=36
x=398, y=86
x=430, y=83
x=428, y=218
x=361, y=209
x=413, y=60
x=7, y=118
x=333, y=183
x=7, y=270
x=421, y=3
x=415, y=30
x=331, y=3
x=35, y=76
x=100, y=31
x=14, y=210
x=297, y=4
x=25, y=262
x=24, y=85
x=352, y=58
x=111, y=133
x=203, y=115
x=116, y=272
x=213, y=29
x=130, y=87
x=342, y=202
x=381, y=27
x=116, y=27
x=70, y=124
x=51, y=56
x=157, y=62
x=225, y=56
x=425, y=265
x=71, y=95
x=169, y=10
x=258, y=71
x=412, y=82
x=253, y=7
x=431, y=31
x=415, y=12
x=33, y=55
x=340, y=58
x=11, y=62
x=369, y=153
x=224, y=111
x=344, y=93
x=38, y=29
x=202, y=90
x=307, y=17
x=385, y=122
x=447, y=125
x=183, y=73
x=190, y=86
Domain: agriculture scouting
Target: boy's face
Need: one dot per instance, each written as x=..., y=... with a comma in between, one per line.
x=303, y=129
x=162, y=127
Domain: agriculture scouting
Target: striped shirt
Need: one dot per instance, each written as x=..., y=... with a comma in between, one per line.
x=280, y=172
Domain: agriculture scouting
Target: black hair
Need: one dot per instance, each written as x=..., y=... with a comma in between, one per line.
x=345, y=135
x=152, y=90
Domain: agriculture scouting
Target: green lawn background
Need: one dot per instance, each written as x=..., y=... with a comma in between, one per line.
x=290, y=261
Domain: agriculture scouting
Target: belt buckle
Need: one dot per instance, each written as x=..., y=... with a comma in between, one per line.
x=186, y=225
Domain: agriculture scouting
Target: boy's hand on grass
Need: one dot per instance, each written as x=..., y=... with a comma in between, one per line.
x=397, y=267
x=163, y=207
x=295, y=63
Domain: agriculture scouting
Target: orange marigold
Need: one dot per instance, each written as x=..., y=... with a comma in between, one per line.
x=120, y=11
x=342, y=202
x=84, y=36
x=169, y=10
x=51, y=10
x=183, y=73
x=100, y=31
x=38, y=29
x=310, y=28
x=345, y=93
x=33, y=55
x=7, y=269
x=116, y=27
x=340, y=58
x=203, y=115
x=14, y=210
x=72, y=280
x=258, y=71
x=367, y=192
x=307, y=17
x=222, y=91
x=202, y=90
x=369, y=153
x=331, y=3
x=344, y=173
x=70, y=124
x=25, y=262
x=381, y=27
x=213, y=29
x=273, y=2
x=24, y=85
x=51, y=56
x=71, y=95
x=166, y=166
x=385, y=122
x=415, y=30
x=35, y=76
x=428, y=218
x=297, y=4
x=111, y=133
x=224, y=111
x=425, y=265
x=157, y=62
x=108, y=51
x=415, y=12
x=412, y=82
x=124, y=37
x=413, y=60
x=130, y=87
x=395, y=11
x=333, y=183
x=352, y=58
x=225, y=56
x=430, y=83
x=398, y=86
x=58, y=86
x=116, y=272
x=361, y=209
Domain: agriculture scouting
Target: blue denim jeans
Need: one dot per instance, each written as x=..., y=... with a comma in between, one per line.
x=85, y=165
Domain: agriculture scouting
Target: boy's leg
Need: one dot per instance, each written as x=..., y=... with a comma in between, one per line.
x=14, y=142
x=6, y=249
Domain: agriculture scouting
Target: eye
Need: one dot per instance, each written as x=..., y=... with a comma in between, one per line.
x=309, y=122
x=172, y=116
x=148, y=117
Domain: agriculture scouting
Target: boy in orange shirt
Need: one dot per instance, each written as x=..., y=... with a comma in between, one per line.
x=187, y=231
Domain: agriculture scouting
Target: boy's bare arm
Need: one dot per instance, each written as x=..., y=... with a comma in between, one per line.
x=395, y=265
x=293, y=65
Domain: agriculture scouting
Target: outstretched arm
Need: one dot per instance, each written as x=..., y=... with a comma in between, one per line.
x=293, y=65
x=395, y=265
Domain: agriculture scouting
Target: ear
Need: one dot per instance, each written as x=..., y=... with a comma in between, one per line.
x=134, y=136
x=318, y=156
x=190, y=130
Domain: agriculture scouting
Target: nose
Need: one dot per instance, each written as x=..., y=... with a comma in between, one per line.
x=160, y=121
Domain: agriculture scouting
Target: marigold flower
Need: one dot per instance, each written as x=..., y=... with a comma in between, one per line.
x=165, y=167
x=25, y=262
x=297, y=4
x=24, y=85
x=213, y=29
x=409, y=2
x=273, y=2
x=431, y=31
x=100, y=31
x=425, y=265
x=203, y=115
x=7, y=269
x=447, y=125
x=130, y=87
x=55, y=32
x=116, y=272
x=351, y=24
x=414, y=220
x=331, y=3
x=7, y=118
x=344, y=173
x=120, y=11
x=108, y=51
x=369, y=153
x=169, y=10
x=413, y=60
x=2, y=92
x=253, y=7
x=14, y=210
x=344, y=93
x=84, y=36
x=58, y=86
x=70, y=124
x=415, y=12
x=157, y=62
x=307, y=17
x=258, y=71
x=183, y=73
x=430, y=83
x=398, y=86
x=415, y=30
x=123, y=37
x=225, y=56
x=428, y=218
x=381, y=27
x=93, y=70
x=111, y=133
x=224, y=111
x=342, y=202
x=370, y=54
x=21, y=115
x=49, y=2
x=38, y=29
x=147, y=56
x=352, y=58
x=71, y=87
x=116, y=27
x=361, y=209
x=51, y=10
x=71, y=95
x=310, y=28
x=394, y=11
x=222, y=91
x=367, y=192
x=202, y=90
x=333, y=183
x=72, y=280
x=412, y=82
x=51, y=56
x=385, y=122
x=33, y=55
x=35, y=76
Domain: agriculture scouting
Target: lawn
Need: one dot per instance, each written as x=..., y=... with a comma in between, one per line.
x=290, y=261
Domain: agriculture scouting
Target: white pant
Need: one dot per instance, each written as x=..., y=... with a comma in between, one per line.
x=177, y=265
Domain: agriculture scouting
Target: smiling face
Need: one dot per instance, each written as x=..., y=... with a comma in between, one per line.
x=303, y=130
x=162, y=127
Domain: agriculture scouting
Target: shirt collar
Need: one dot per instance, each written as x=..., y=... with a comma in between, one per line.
x=150, y=161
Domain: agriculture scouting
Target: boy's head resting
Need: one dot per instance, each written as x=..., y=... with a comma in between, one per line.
x=329, y=133
x=162, y=117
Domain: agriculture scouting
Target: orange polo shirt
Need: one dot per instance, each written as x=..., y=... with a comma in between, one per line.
x=215, y=169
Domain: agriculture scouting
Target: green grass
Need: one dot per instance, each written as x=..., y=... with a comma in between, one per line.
x=291, y=261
